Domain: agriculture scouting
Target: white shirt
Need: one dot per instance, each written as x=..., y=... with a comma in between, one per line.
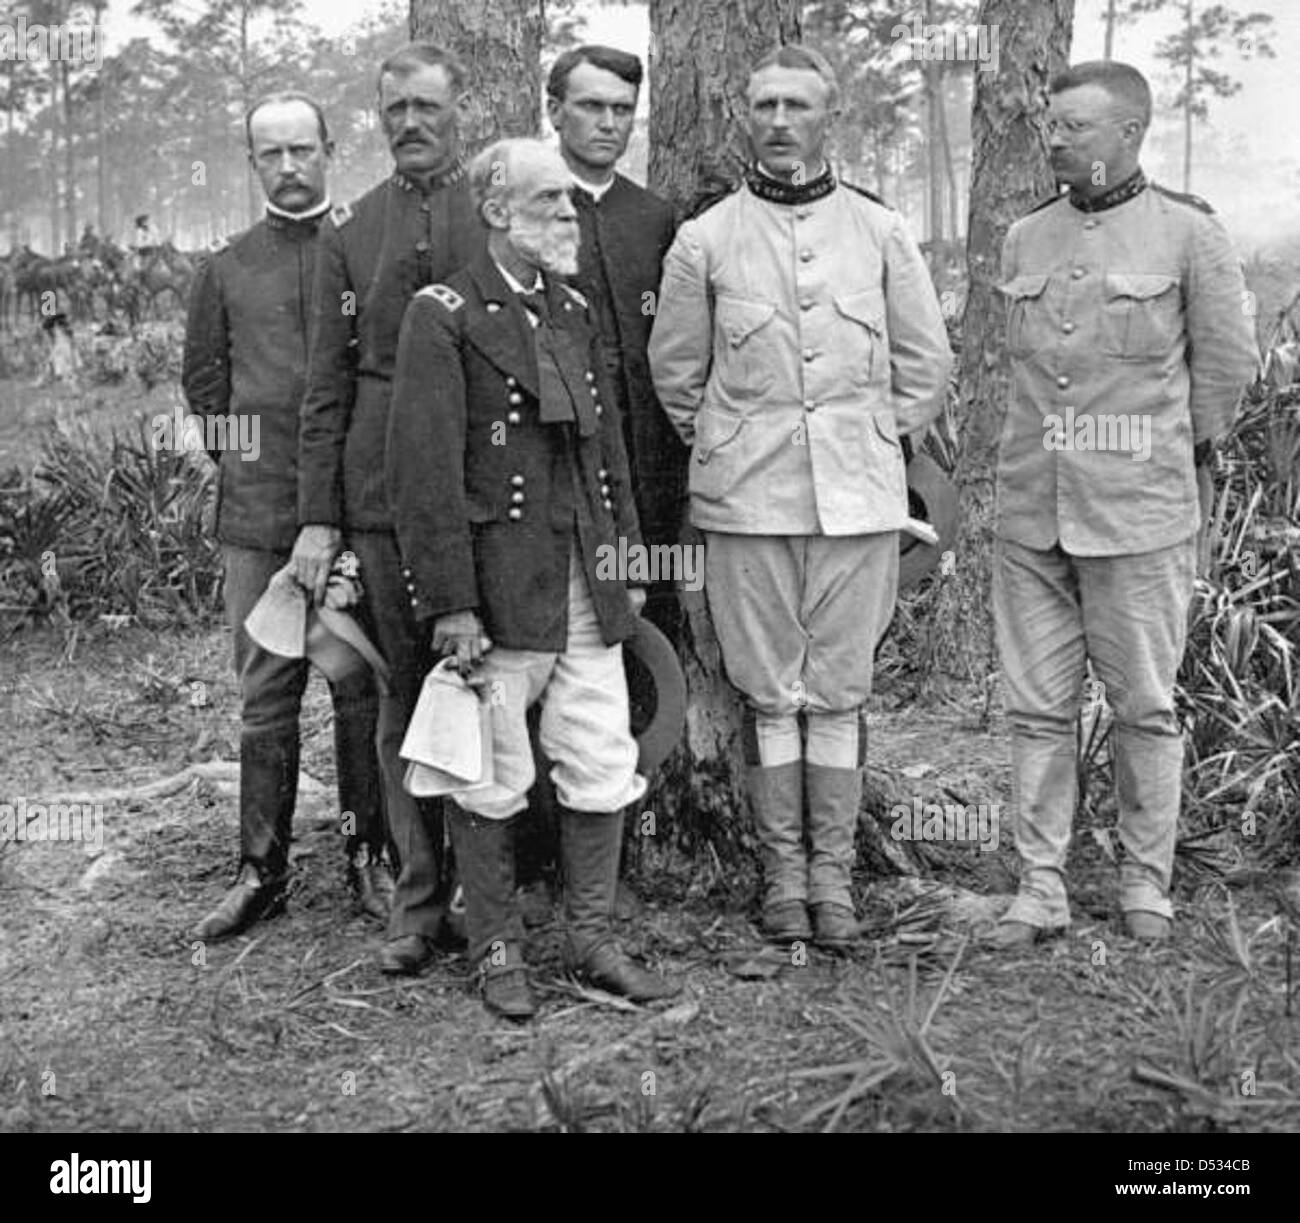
x=516, y=286
x=596, y=191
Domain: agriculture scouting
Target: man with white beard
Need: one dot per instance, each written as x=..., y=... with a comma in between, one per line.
x=507, y=476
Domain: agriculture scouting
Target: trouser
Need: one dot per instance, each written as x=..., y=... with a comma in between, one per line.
x=583, y=729
x=798, y=619
x=271, y=688
x=416, y=824
x=1128, y=614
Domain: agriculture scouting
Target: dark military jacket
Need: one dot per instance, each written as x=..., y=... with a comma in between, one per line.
x=487, y=500
x=246, y=355
x=625, y=235
x=373, y=256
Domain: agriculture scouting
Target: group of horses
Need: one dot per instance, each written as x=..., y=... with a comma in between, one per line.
x=98, y=281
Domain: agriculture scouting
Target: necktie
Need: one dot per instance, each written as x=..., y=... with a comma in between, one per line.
x=537, y=303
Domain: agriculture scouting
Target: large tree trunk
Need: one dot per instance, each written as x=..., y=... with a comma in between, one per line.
x=1010, y=175
x=1189, y=105
x=700, y=55
x=500, y=42
x=69, y=155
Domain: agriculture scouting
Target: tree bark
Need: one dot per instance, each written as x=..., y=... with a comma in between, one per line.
x=1189, y=104
x=500, y=43
x=1010, y=174
x=69, y=155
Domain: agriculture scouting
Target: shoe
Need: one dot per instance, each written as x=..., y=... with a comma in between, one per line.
x=506, y=991
x=405, y=956
x=786, y=922
x=608, y=967
x=836, y=926
x=1147, y=927
x=372, y=883
x=1016, y=935
x=248, y=901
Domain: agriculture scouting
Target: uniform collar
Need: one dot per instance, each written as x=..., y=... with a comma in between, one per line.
x=1131, y=187
x=445, y=179
x=768, y=187
x=280, y=218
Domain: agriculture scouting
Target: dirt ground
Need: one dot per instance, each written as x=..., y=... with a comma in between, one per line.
x=113, y=1021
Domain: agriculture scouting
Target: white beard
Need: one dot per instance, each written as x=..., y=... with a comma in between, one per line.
x=555, y=252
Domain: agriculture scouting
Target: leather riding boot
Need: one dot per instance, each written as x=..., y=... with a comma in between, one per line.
x=590, y=846
x=251, y=899
x=834, y=795
x=485, y=860
x=268, y=789
x=776, y=798
x=356, y=711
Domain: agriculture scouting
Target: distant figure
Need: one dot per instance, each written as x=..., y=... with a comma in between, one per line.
x=61, y=356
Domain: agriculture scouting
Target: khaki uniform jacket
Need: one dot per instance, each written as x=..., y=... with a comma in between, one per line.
x=1129, y=335
x=792, y=345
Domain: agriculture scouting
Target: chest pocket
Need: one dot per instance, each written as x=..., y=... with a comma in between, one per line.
x=1141, y=315
x=742, y=352
x=860, y=341
x=1028, y=326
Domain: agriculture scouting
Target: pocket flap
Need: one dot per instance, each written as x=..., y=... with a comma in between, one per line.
x=712, y=431
x=866, y=307
x=739, y=319
x=1141, y=285
x=1025, y=286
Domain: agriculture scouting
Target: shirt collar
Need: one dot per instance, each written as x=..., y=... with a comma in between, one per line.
x=597, y=192
x=515, y=285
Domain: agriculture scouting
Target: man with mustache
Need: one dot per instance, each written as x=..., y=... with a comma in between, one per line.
x=508, y=475
x=246, y=355
x=411, y=230
x=1123, y=299
x=798, y=337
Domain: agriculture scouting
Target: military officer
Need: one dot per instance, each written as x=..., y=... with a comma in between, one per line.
x=246, y=356
x=591, y=96
x=508, y=476
x=797, y=339
x=409, y=231
x=1130, y=341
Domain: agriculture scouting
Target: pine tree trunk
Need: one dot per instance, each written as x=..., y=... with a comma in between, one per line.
x=1010, y=175
x=500, y=43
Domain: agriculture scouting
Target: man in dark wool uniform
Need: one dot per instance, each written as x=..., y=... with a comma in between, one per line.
x=508, y=480
x=246, y=357
x=411, y=230
x=625, y=233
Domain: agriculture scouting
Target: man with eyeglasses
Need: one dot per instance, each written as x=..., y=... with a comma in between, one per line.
x=413, y=229
x=1130, y=337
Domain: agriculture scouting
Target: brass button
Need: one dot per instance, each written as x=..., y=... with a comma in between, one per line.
x=510, y=380
x=1078, y=273
x=517, y=481
x=492, y=307
x=514, y=397
x=602, y=474
x=1068, y=328
x=604, y=490
x=805, y=255
x=517, y=498
x=595, y=394
x=422, y=246
x=514, y=513
x=803, y=213
x=590, y=376
x=1063, y=381
x=1090, y=224
x=609, y=505
x=513, y=418
x=808, y=354
x=810, y=404
x=599, y=410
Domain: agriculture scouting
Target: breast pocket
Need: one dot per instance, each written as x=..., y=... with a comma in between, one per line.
x=1141, y=315
x=1028, y=327
x=742, y=354
x=860, y=341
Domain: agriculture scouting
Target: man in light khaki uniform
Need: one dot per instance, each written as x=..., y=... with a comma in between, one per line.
x=1130, y=340
x=797, y=337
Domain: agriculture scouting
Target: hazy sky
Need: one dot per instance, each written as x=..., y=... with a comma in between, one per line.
x=1245, y=164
